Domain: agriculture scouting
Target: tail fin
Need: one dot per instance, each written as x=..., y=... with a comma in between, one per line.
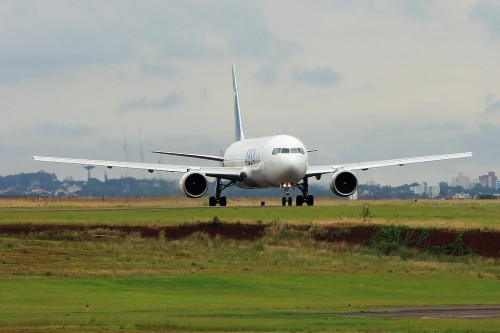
x=238, y=128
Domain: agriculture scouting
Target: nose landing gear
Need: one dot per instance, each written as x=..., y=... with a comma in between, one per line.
x=287, y=199
x=305, y=197
x=300, y=200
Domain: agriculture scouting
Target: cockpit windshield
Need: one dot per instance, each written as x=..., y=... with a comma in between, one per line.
x=277, y=151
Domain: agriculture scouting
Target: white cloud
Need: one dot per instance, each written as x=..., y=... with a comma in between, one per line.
x=53, y=37
x=320, y=76
x=63, y=130
x=488, y=13
x=492, y=104
x=144, y=103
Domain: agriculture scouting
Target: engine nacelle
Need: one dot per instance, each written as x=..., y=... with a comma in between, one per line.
x=344, y=183
x=193, y=184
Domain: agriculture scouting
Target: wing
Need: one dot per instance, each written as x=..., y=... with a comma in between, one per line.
x=203, y=157
x=222, y=172
x=319, y=170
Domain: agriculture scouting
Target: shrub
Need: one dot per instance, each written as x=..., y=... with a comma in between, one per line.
x=215, y=220
x=387, y=239
x=365, y=212
x=456, y=248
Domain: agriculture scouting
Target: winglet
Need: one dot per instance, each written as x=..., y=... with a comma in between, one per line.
x=238, y=128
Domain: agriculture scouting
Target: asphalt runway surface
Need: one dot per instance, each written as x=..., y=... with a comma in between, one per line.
x=422, y=312
x=85, y=209
x=463, y=312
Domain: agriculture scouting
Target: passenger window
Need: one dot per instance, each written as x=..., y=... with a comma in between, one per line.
x=276, y=151
x=285, y=151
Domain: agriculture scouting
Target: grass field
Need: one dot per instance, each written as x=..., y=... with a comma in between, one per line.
x=282, y=282
x=439, y=214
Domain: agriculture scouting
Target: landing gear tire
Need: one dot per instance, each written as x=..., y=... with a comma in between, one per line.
x=218, y=199
x=304, y=198
x=212, y=201
x=283, y=201
x=289, y=199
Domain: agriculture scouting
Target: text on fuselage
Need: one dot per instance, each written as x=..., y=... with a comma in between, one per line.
x=251, y=157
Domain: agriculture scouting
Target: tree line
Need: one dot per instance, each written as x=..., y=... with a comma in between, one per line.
x=43, y=183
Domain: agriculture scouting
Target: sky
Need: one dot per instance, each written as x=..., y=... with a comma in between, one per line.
x=357, y=80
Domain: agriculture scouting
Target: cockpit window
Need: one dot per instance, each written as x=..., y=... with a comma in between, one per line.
x=288, y=151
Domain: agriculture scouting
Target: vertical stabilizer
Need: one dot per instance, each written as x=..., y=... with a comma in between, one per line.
x=238, y=128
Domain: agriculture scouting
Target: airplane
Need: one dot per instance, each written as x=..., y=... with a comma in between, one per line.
x=278, y=161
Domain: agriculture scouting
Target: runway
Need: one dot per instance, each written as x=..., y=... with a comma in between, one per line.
x=463, y=312
x=105, y=209
x=422, y=312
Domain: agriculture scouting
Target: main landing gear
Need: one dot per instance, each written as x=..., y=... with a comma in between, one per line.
x=218, y=199
x=300, y=200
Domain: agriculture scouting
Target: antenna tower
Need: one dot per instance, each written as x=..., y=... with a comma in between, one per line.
x=125, y=149
x=141, y=152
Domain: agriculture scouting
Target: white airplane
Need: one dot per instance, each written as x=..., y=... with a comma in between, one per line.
x=267, y=162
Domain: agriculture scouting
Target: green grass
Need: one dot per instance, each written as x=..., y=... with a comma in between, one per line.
x=283, y=282
x=467, y=215
x=251, y=302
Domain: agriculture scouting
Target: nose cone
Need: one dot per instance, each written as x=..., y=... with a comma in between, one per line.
x=293, y=168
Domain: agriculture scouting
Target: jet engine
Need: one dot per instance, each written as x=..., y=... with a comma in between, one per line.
x=344, y=183
x=193, y=184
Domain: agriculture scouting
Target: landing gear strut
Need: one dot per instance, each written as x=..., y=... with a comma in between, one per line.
x=219, y=187
x=287, y=199
x=305, y=197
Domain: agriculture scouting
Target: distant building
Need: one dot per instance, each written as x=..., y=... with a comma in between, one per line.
x=433, y=191
x=461, y=180
x=490, y=180
x=462, y=196
x=419, y=189
x=354, y=196
x=430, y=191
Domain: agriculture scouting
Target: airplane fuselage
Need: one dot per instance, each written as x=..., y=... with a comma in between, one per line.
x=274, y=161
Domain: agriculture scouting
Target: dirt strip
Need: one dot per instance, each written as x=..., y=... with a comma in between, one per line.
x=483, y=243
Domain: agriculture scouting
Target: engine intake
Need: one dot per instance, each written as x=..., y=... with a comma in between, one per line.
x=344, y=183
x=193, y=184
